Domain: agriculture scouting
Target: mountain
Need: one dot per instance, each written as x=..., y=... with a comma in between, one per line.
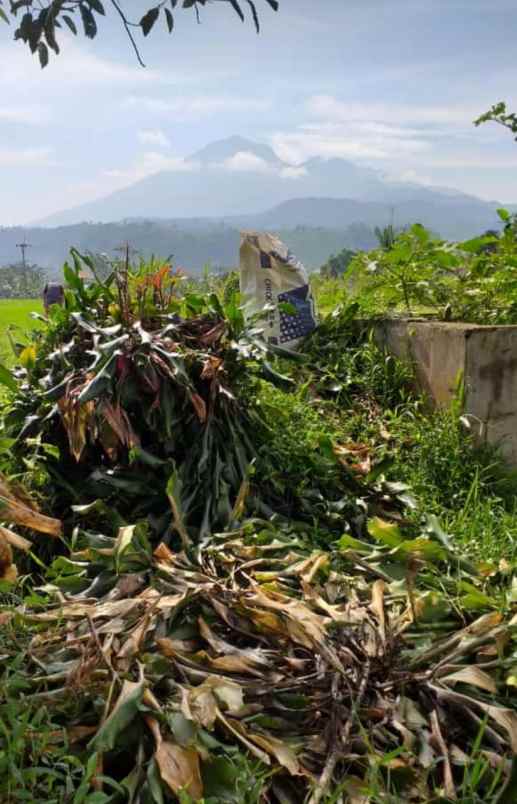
x=241, y=180
x=222, y=150
x=450, y=218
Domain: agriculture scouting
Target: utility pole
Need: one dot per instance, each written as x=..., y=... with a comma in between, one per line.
x=128, y=252
x=23, y=248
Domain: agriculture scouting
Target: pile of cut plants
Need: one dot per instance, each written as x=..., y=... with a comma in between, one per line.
x=198, y=624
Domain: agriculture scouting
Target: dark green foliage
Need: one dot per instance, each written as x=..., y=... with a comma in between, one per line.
x=386, y=236
x=133, y=383
x=473, y=281
x=499, y=114
x=337, y=264
x=39, y=22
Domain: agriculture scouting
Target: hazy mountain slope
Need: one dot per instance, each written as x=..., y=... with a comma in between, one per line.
x=454, y=219
x=238, y=178
x=193, y=244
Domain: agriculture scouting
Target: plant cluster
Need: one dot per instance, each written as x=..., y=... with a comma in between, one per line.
x=473, y=281
x=242, y=602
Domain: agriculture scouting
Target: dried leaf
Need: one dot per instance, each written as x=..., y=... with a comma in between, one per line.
x=180, y=769
x=283, y=754
x=474, y=676
x=15, y=540
x=377, y=606
x=8, y=571
x=201, y=704
x=16, y=510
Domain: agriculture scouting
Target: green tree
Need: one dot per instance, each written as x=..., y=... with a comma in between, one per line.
x=499, y=114
x=337, y=264
x=386, y=236
x=38, y=21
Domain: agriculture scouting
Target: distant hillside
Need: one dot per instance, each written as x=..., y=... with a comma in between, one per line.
x=452, y=218
x=194, y=243
x=240, y=180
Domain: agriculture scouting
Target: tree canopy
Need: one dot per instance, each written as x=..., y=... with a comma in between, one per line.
x=499, y=114
x=38, y=21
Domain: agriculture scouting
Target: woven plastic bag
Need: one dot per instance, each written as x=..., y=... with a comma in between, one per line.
x=272, y=277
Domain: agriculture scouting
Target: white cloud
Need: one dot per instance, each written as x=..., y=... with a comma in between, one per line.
x=32, y=114
x=373, y=132
x=154, y=136
x=26, y=157
x=193, y=108
x=148, y=163
x=331, y=109
x=293, y=172
x=346, y=141
x=78, y=67
x=247, y=162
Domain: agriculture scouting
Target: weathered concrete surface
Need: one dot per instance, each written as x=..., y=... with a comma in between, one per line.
x=482, y=359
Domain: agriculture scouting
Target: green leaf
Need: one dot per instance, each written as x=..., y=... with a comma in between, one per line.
x=43, y=54
x=148, y=20
x=7, y=378
x=82, y=793
x=347, y=542
x=504, y=214
x=385, y=532
x=28, y=357
x=476, y=601
x=89, y=24
x=72, y=278
x=97, y=6
x=236, y=7
x=287, y=308
x=123, y=714
x=71, y=24
x=424, y=548
x=3, y=16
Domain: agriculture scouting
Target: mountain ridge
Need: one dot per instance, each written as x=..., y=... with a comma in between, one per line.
x=237, y=177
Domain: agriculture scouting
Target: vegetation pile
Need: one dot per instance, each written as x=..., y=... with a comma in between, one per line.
x=232, y=611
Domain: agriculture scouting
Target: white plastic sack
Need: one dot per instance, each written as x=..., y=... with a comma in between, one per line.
x=271, y=275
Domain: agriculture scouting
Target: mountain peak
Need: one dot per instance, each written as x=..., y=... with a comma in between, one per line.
x=225, y=149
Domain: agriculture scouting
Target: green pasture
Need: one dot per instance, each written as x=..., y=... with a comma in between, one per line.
x=15, y=315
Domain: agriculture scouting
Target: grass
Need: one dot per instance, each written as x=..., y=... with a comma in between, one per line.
x=16, y=313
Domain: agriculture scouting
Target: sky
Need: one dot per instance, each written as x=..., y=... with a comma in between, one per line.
x=389, y=84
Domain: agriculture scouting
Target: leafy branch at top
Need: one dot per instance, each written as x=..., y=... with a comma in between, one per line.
x=499, y=114
x=38, y=21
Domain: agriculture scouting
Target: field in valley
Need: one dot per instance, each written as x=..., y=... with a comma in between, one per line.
x=16, y=313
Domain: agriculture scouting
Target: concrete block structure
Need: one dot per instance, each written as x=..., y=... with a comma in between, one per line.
x=481, y=360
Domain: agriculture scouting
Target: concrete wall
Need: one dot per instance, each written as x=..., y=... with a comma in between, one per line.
x=485, y=358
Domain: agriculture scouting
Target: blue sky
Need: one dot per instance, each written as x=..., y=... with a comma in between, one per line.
x=393, y=85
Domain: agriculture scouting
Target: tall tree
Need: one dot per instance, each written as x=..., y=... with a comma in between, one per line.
x=38, y=21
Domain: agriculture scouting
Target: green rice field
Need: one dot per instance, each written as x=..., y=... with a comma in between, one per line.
x=15, y=314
